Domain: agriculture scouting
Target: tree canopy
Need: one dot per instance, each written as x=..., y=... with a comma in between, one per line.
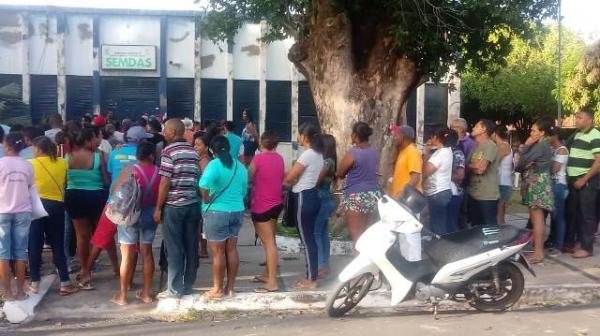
x=526, y=87
x=583, y=89
x=435, y=34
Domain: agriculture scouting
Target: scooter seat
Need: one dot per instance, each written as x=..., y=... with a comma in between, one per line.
x=463, y=244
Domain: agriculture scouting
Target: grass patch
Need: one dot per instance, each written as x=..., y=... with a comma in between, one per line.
x=515, y=204
x=336, y=232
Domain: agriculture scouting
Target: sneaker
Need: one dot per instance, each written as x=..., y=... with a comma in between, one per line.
x=554, y=252
x=166, y=295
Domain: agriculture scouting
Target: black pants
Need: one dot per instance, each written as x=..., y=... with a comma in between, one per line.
x=482, y=212
x=305, y=209
x=53, y=228
x=582, y=220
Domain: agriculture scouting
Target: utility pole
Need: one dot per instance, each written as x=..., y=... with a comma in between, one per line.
x=559, y=52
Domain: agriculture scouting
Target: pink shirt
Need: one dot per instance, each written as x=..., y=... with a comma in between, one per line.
x=16, y=176
x=150, y=200
x=267, y=182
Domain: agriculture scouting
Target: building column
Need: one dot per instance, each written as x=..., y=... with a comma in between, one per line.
x=25, y=76
x=420, y=131
x=262, y=79
x=229, y=80
x=294, y=100
x=453, y=99
x=96, y=65
x=162, y=82
x=61, y=71
x=197, y=72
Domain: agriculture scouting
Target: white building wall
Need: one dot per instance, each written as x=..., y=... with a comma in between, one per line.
x=246, y=53
x=131, y=30
x=278, y=65
x=180, y=47
x=214, y=59
x=11, y=44
x=42, y=45
x=79, y=45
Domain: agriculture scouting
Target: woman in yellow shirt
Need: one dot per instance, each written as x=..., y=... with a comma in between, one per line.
x=50, y=174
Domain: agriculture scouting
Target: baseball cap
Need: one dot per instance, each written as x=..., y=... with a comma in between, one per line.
x=137, y=134
x=99, y=121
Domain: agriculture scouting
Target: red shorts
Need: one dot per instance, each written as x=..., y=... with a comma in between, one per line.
x=104, y=236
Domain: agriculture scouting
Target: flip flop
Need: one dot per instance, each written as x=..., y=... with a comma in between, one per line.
x=258, y=279
x=113, y=299
x=138, y=295
x=263, y=290
x=207, y=296
x=85, y=286
x=65, y=291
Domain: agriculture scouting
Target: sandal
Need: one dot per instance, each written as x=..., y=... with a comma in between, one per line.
x=67, y=290
x=211, y=296
x=34, y=289
x=534, y=260
x=259, y=279
x=114, y=299
x=305, y=284
x=85, y=286
x=138, y=295
x=264, y=290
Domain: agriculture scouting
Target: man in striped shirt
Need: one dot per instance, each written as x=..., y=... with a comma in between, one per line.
x=178, y=209
x=582, y=170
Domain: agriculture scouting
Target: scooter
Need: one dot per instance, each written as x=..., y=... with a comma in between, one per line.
x=478, y=266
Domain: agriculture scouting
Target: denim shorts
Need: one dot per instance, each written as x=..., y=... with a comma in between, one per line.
x=505, y=192
x=14, y=235
x=142, y=232
x=220, y=225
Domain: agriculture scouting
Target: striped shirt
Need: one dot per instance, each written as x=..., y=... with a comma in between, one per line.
x=179, y=162
x=583, y=150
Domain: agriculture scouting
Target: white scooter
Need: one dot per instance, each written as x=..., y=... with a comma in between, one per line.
x=478, y=266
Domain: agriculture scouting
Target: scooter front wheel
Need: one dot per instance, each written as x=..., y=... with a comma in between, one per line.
x=348, y=294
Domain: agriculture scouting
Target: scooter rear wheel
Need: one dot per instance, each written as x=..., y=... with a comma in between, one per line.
x=348, y=294
x=512, y=285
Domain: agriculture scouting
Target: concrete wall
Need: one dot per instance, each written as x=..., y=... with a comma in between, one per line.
x=78, y=45
x=180, y=40
x=246, y=53
x=42, y=45
x=11, y=43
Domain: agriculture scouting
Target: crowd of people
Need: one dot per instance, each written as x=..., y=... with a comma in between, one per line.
x=197, y=181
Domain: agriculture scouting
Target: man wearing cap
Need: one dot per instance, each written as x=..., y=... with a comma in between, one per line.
x=104, y=236
x=409, y=164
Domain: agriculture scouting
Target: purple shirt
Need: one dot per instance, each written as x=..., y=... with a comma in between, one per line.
x=16, y=176
x=362, y=176
x=268, y=182
x=466, y=144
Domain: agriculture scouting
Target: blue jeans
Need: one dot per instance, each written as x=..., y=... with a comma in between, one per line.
x=14, y=235
x=438, y=211
x=328, y=206
x=482, y=212
x=305, y=206
x=559, y=223
x=180, y=233
x=53, y=228
x=453, y=212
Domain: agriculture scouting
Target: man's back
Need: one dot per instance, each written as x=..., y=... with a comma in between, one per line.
x=179, y=162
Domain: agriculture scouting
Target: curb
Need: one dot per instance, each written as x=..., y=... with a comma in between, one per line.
x=290, y=302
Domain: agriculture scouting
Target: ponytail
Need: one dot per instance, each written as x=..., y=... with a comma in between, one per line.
x=313, y=134
x=220, y=148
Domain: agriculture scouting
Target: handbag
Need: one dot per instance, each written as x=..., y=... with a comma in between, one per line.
x=287, y=219
x=37, y=207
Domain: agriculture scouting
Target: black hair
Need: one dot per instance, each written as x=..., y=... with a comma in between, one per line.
x=546, y=125
x=2, y=134
x=16, y=128
x=588, y=112
x=362, y=131
x=229, y=125
x=205, y=138
x=220, y=148
x=46, y=146
x=142, y=122
x=15, y=141
x=501, y=131
x=313, y=134
x=448, y=137
x=71, y=129
x=208, y=123
x=269, y=139
x=155, y=125
x=489, y=126
x=31, y=132
x=329, y=148
x=59, y=138
x=83, y=136
x=95, y=129
x=145, y=151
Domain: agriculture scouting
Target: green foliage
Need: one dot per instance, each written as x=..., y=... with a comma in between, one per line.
x=435, y=34
x=526, y=87
x=12, y=108
x=583, y=89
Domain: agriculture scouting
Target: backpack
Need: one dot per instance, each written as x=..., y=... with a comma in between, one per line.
x=125, y=205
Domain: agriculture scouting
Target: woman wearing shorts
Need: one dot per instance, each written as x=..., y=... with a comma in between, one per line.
x=86, y=195
x=328, y=203
x=16, y=177
x=267, y=171
x=304, y=204
x=141, y=233
x=505, y=170
x=50, y=175
x=359, y=168
x=223, y=186
x=201, y=142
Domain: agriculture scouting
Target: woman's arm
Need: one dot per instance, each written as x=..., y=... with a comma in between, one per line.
x=294, y=174
x=345, y=165
x=429, y=169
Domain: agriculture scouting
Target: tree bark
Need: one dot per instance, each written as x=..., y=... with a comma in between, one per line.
x=354, y=75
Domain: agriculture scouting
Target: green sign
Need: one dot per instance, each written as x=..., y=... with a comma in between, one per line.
x=128, y=57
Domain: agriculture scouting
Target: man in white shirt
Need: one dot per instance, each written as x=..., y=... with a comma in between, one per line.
x=56, y=125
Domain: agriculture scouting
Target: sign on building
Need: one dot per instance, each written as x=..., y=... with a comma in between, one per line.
x=128, y=57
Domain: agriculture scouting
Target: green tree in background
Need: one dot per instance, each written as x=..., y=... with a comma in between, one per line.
x=583, y=88
x=362, y=59
x=526, y=87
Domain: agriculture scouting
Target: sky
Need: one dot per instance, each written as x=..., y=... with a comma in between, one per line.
x=579, y=15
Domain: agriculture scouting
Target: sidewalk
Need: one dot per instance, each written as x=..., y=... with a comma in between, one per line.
x=560, y=280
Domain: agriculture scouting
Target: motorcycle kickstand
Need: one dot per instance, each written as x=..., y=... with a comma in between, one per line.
x=435, y=310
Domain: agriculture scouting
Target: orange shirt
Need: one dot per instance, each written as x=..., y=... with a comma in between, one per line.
x=409, y=161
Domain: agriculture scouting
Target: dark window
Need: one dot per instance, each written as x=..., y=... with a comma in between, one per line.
x=411, y=110
x=79, y=96
x=436, y=108
x=130, y=97
x=279, y=108
x=245, y=96
x=213, y=99
x=43, y=98
x=13, y=111
x=180, y=97
x=307, y=111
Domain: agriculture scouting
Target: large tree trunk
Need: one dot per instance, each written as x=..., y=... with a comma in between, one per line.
x=354, y=76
